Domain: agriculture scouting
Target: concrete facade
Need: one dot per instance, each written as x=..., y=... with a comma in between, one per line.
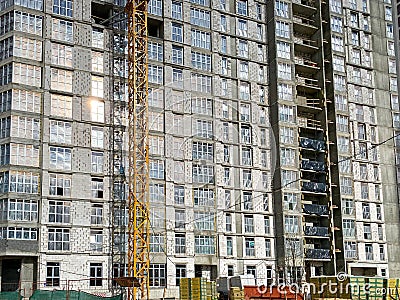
x=271, y=146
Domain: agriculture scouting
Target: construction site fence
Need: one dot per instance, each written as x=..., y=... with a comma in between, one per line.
x=56, y=295
x=80, y=289
x=68, y=295
x=10, y=296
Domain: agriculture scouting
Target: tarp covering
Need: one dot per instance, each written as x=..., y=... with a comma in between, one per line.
x=62, y=295
x=10, y=296
x=316, y=187
x=312, y=144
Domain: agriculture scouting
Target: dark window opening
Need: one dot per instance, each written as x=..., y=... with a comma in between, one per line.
x=155, y=28
x=101, y=12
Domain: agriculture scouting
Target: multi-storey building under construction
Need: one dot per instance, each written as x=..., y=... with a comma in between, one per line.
x=273, y=127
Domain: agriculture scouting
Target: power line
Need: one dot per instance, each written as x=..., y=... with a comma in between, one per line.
x=294, y=181
x=233, y=205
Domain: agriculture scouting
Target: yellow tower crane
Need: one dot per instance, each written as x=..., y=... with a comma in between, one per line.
x=138, y=201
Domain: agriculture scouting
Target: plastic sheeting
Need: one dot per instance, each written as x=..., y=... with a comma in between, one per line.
x=318, y=253
x=316, y=231
x=316, y=187
x=312, y=144
x=316, y=209
x=313, y=165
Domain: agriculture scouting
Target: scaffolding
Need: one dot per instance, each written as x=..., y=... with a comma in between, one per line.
x=120, y=97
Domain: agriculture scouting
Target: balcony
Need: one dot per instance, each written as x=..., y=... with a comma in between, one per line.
x=315, y=209
x=308, y=84
x=310, y=3
x=317, y=254
x=305, y=65
x=310, y=123
x=304, y=44
x=316, y=231
x=304, y=25
x=317, y=145
x=305, y=7
x=311, y=165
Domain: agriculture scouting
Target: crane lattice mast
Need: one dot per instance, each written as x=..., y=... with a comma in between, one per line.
x=138, y=203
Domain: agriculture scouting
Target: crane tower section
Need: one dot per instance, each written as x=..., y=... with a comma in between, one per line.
x=138, y=203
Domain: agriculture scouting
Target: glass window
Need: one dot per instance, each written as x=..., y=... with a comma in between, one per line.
x=97, y=137
x=61, y=80
x=282, y=29
x=201, y=39
x=177, y=55
x=241, y=7
x=60, y=158
x=21, y=100
x=201, y=61
x=59, y=212
x=96, y=214
x=204, y=244
x=155, y=7
x=176, y=10
x=282, y=9
x=62, y=30
x=58, y=239
x=96, y=274
x=97, y=38
x=23, y=47
x=53, y=274
x=62, y=7
x=60, y=185
x=200, y=17
x=26, y=74
x=177, y=32
x=97, y=111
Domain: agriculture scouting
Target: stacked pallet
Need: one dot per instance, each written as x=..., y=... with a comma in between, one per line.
x=184, y=289
x=393, y=289
x=351, y=288
x=377, y=288
x=236, y=294
x=197, y=289
x=212, y=290
x=358, y=288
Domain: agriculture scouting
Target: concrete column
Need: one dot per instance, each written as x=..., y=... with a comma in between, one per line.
x=27, y=275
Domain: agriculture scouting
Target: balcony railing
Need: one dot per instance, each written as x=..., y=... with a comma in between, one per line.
x=312, y=144
x=305, y=40
x=314, y=187
x=312, y=103
x=318, y=253
x=303, y=20
x=316, y=231
x=310, y=82
x=313, y=165
x=308, y=123
x=305, y=2
x=315, y=209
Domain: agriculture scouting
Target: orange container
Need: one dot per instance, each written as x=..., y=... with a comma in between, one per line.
x=272, y=293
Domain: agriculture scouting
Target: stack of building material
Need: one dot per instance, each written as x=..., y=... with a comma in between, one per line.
x=377, y=288
x=198, y=288
x=184, y=289
x=393, y=289
x=358, y=288
x=236, y=294
x=212, y=290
